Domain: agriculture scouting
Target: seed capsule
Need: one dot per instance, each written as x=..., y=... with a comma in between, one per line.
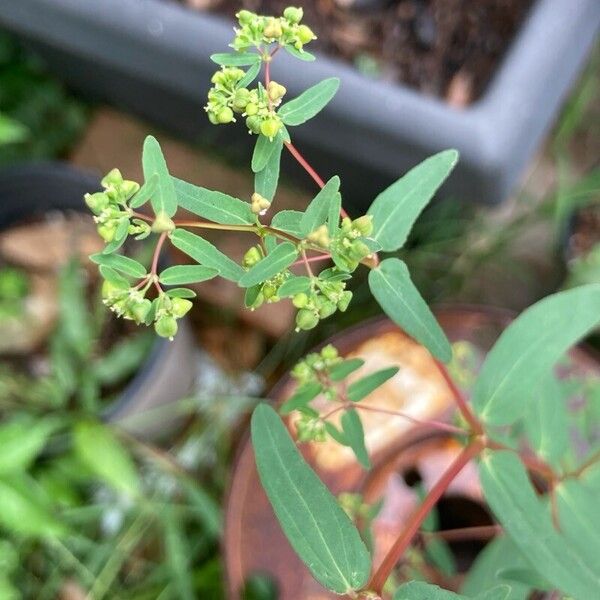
x=180, y=307
x=305, y=34
x=270, y=128
x=166, y=327
x=306, y=319
x=225, y=116
x=293, y=14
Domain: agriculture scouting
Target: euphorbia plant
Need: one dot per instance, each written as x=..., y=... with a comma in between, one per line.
x=515, y=390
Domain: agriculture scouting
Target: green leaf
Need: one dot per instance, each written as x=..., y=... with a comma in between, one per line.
x=262, y=152
x=396, y=209
x=121, y=263
x=499, y=554
x=333, y=218
x=11, y=131
x=25, y=510
x=289, y=221
x=182, y=274
x=146, y=192
x=343, y=369
x=206, y=254
x=300, y=54
x=528, y=349
x=250, y=76
x=419, y=590
x=316, y=526
x=395, y=292
x=317, y=211
x=178, y=554
x=502, y=592
x=526, y=577
x=275, y=262
x=181, y=293
x=265, y=181
x=100, y=451
x=364, y=386
x=235, y=59
x=545, y=421
x=577, y=506
x=294, y=285
x=112, y=276
x=214, y=206
x=309, y=103
x=21, y=441
x=301, y=397
x=354, y=435
x=153, y=162
x=525, y=518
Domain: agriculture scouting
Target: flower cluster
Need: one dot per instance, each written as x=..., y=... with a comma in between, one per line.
x=111, y=209
x=348, y=247
x=287, y=30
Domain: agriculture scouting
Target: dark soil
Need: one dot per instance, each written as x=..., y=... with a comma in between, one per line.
x=444, y=48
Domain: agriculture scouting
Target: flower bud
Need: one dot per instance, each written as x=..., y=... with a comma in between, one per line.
x=320, y=236
x=139, y=311
x=275, y=91
x=364, y=225
x=107, y=231
x=245, y=17
x=270, y=128
x=273, y=28
x=162, y=223
x=344, y=301
x=305, y=34
x=252, y=256
x=358, y=250
x=293, y=14
x=329, y=352
x=166, y=327
x=326, y=308
x=300, y=300
x=225, y=115
x=112, y=178
x=241, y=98
x=128, y=189
x=250, y=110
x=306, y=319
x=269, y=291
x=97, y=202
x=219, y=77
x=260, y=204
x=180, y=307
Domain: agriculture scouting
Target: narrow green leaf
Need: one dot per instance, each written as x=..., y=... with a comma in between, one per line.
x=21, y=441
x=100, y=451
x=121, y=263
x=206, y=254
x=343, y=369
x=354, y=436
x=214, y=206
x=275, y=262
x=525, y=518
x=250, y=75
x=294, y=285
x=301, y=397
x=309, y=103
x=178, y=553
x=316, y=526
x=317, y=211
x=235, y=59
x=528, y=349
x=146, y=192
x=333, y=218
x=262, y=152
x=289, y=221
x=396, y=209
x=181, y=293
x=25, y=510
x=112, y=276
x=395, y=292
x=364, y=386
x=164, y=200
x=182, y=274
x=419, y=590
x=300, y=54
x=265, y=181
x=545, y=421
x=527, y=577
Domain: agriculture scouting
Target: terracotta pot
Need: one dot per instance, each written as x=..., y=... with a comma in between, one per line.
x=400, y=451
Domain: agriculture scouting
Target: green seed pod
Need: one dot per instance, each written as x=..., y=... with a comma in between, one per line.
x=358, y=250
x=212, y=118
x=305, y=34
x=166, y=327
x=107, y=231
x=306, y=319
x=270, y=127
x=269, y=291
x=128, y=189
x=326, y=308
x=225, y=116
x=250, y=110
x=219, y=77
x=140, y=310
x=329, y=352
x=344, y=301
x=300, y=300
x=253, y=123
x=302, y=372
x=241, y=98
x=180, y=307
x=112, y=178
x=252, y=256
x=364, y=225
x=245, y=17
x=163, y=223
x=293, y=14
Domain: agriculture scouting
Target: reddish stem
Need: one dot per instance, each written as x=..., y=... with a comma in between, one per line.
x=482, y=532
x=460, y=400
x=312, y=259
x=154, y=268
x=395, y=554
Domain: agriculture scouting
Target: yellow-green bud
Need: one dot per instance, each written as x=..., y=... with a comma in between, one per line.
x=306, y=319
x=225, y=116
x=163, y=223
x=166, y=327
x=273, y=28
x=213, y=118
x=269, y=291
x=344, y=301
x=250, y=110
x=245, y=17
x=270, y=128
x=128, y=189
x=109, y=289
x=364, y=225
x=293, y=14
x=107, y=232
x=260, y=204
x=180, y=307
x=240, y=100
x=97, y=202
x=112, y=178
x=358, y=250
x=329, y=352
x=140, y=310
x=253, y=123
x=305, y=34
x=252, y=256
x=275, y=91
x=219, y=77
x=320, y=236
x=300, y=300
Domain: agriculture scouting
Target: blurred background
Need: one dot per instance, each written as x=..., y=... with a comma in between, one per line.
x=117, y=448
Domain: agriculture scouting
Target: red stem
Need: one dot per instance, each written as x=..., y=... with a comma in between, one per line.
x=395, y=554
x=312, y=259
x=154, y=268
x=460, y=400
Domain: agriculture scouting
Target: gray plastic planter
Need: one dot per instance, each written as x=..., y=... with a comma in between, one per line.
x=151, y=56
